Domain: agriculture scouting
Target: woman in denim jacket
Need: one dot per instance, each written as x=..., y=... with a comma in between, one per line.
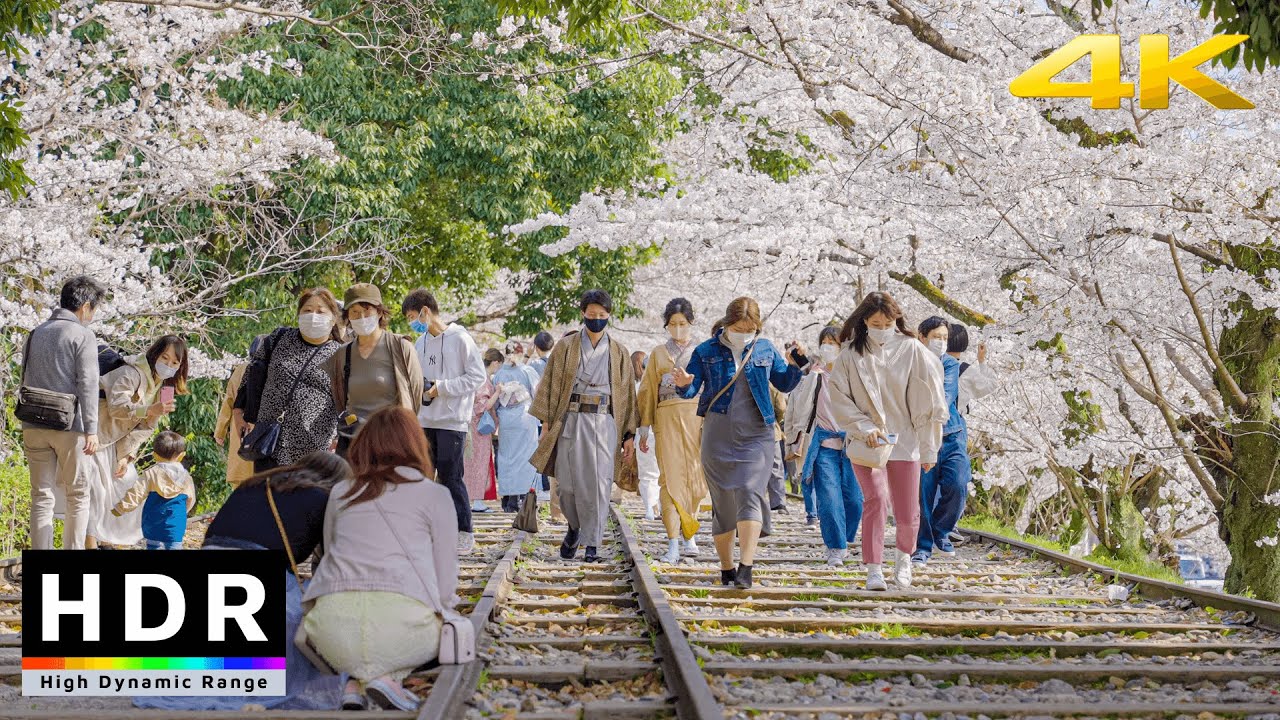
x=738, y=428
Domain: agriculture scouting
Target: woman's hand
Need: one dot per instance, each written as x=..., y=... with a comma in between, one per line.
x=644, y=444
x=798, y=349
x=926, y=467
x=493, y=400
x=681, y=377
x=122, y=465
x=875, y=437
x=982, y=353
x=628, y=448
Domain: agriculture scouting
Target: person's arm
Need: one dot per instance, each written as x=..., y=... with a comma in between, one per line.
x=413, y=367
x=927, y=399
x=979, y=381
x=632, y=419
x=793, y=426
x=222, y=427
x=844, y=409
x=541, y=406
x=784, y=376
x=472, y=376
x=87, y=379
x=255, y=377
x=694, y=368
x=189, y=487
x=647, y=396
x=136, y=494
x=443, y=523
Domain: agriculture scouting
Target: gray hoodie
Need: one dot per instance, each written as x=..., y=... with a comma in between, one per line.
x=63, y=357
x=454, y=361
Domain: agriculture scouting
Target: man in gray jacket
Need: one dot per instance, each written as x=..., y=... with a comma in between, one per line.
x=62, y=356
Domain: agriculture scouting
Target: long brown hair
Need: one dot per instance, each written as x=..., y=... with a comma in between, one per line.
x=855, y=328
x=743, y=308
x=390, y=438
x=178, y=381
x=320, y=470
x=330, y=302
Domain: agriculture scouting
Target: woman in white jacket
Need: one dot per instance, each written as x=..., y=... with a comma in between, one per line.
x=886, y=394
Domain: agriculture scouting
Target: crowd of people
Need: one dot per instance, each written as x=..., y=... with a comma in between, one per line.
x=358, y=435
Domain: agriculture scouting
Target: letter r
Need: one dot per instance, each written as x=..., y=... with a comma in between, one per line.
x=219, y=612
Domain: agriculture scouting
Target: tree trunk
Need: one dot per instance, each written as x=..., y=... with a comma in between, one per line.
x=1251, y=351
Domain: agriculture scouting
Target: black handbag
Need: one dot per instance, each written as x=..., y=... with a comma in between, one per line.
x=46, y=408
x=260, y=443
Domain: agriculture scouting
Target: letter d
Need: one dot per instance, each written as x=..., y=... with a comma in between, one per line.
x=177, y=608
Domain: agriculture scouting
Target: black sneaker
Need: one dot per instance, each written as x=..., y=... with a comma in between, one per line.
x=728, y=577
x=779, y=508
x=569, y=547
x=591, y=555
x=743, y=577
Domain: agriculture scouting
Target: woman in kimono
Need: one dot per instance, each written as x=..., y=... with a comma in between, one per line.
x=518, y=434
x=733, y=370
x=677, y=432
x=478, y=473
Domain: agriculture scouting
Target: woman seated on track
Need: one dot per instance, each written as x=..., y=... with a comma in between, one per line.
x=246, y=522
x=390, y=568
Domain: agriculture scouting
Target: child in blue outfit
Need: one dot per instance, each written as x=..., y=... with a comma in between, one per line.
x=169, y=495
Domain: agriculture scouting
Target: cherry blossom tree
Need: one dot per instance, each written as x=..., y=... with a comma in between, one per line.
x=1120, y=262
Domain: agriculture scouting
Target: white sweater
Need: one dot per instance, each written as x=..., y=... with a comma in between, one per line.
x=456, y=364
x=899, y=390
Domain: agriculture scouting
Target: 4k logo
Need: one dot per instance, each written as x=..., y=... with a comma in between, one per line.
x=1156, y=69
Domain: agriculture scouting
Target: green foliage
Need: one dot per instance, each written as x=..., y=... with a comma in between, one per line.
x=15, y=508
x=26, y=17
x=444, y=166
x=194, y=419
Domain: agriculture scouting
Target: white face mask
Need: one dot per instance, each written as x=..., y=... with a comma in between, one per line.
x=738, y=340
x=828, y=353
x=315, y=325
x=881, y=335
x=164, y=372
x=365, y=325
x=680, y=333
x=939, y=347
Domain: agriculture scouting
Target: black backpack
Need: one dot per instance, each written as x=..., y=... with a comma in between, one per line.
x=108, y=359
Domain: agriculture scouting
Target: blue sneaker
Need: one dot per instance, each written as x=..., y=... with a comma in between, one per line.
x=945, y=548
x=920, y=558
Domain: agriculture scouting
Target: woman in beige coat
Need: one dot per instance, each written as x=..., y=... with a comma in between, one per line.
x=886, y=395
x=228, y=428
x=127, y=417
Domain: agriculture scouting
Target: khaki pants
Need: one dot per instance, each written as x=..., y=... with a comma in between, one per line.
x=56, y=457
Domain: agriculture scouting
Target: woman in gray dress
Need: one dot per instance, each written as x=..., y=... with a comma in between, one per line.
x=733, y=371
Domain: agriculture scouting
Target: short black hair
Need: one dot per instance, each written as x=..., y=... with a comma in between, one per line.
x=932, y=323
x=958, y=341
x=677, y=306
x=830, y=332
x=596, y=297
x=79, y=290
x=169, y=445
x=543, y=341
x=418, y=299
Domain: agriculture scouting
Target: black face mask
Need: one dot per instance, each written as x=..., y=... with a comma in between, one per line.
x=596, y=325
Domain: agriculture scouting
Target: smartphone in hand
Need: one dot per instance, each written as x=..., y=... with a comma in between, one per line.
x=166, y=394
x=890, y=439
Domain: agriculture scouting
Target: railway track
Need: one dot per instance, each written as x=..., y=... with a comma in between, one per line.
x=1001, y=630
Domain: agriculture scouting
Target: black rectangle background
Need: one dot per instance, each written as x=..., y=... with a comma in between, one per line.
x=190, y=569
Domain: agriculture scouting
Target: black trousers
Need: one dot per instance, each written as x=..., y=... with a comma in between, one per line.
x=447, y=454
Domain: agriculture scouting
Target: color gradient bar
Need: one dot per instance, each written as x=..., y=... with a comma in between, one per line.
x=153, y=663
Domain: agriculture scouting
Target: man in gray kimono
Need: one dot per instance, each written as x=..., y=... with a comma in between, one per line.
x=587, y=404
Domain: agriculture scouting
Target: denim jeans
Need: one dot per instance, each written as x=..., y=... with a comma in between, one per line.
x=942, y=493
x=838, y=496
x=810, y=502
x=162, y=545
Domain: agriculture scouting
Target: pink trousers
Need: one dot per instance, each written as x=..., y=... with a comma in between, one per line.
x=899, y=483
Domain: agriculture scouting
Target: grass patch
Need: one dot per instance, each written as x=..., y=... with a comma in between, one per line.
x=701, y=594
x=888, y=630
x=1144, y=567
x=808, y=597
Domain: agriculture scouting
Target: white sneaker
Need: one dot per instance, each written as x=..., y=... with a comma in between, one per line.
x=673, y=552
x=835, y=557
x=648, y=514
x=690, y=548
x=902, y=570
x=466, y=542
x=875, y=578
